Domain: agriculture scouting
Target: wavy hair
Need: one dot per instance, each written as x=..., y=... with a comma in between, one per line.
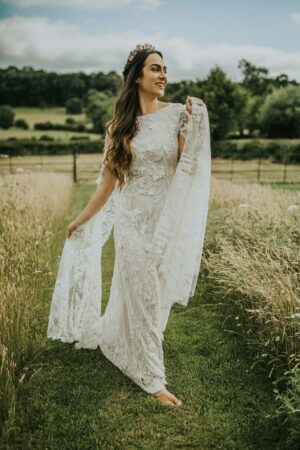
x=123, y=126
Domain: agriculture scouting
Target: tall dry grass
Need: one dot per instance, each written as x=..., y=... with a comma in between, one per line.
x=32, y=208
x=252, y=258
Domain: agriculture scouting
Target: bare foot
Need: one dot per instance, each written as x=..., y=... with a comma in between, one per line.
x=166, y=398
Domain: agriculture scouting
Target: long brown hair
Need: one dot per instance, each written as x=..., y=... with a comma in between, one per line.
x=123, y=126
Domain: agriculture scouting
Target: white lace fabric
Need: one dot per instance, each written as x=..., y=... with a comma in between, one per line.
x=158, y=220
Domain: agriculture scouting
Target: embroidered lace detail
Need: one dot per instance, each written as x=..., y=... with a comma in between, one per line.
x=185, y=122
x=158, y=236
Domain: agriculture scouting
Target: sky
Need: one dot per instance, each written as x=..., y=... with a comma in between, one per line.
x=193, y=35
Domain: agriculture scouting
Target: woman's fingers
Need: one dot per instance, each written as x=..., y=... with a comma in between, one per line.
x=71, y=228
x=188, y=104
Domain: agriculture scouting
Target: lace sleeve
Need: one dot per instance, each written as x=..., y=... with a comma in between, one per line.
x=185, y=120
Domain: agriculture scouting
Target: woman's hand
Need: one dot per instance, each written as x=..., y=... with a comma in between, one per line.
x=71, y=228
x=188, y=104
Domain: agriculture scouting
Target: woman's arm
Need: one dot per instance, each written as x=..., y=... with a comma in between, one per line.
x=186, y=117
x=99, y=197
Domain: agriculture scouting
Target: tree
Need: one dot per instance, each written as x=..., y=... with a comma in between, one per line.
x=74, y=106
x=255, y=78
x=99, y=109
x=6, y=117
x=279, y=115
x=223, y=102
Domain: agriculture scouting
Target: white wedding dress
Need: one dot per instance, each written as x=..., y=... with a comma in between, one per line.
x=158, y=220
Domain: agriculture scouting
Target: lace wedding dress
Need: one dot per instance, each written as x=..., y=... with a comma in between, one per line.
x=158, y=220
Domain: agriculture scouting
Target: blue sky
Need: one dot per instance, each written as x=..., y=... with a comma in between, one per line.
x=93, y=35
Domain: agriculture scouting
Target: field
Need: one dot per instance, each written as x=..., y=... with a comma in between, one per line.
x=54, y=115
x=88, y=164
x=224, y=352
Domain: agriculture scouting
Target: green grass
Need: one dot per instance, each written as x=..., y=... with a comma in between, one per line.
x=55, y=114
x=76, y=399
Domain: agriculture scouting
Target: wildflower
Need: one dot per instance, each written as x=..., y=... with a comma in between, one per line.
x=22, y=378
x=277, y=338
x=292, y=208
x=264, y=355
x=237, y=317
x=295, y=316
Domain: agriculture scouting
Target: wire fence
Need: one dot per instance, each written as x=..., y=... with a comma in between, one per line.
x=85, y=166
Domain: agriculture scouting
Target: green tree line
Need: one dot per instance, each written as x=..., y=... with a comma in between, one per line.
x=258, y=105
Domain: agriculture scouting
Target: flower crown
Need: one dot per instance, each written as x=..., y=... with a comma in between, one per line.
x=138, y=48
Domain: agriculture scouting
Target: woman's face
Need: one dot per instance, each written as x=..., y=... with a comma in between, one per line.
x=154, y=79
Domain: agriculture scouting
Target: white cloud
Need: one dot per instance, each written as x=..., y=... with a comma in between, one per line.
x=56, y=45
x=101, y=4
x=296, y=17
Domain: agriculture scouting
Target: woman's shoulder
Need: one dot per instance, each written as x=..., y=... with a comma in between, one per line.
x=177, y=106
x=177, y=109
x=182, y=106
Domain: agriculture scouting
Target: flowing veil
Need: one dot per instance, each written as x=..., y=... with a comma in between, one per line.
x=177, y=243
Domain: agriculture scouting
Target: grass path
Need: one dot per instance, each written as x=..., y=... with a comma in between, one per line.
x=76, y=399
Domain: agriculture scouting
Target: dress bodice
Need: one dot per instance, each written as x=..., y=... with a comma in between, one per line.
x=155, y=158
x=155, y=146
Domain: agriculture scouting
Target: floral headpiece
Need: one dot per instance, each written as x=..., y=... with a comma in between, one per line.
x=138, y=48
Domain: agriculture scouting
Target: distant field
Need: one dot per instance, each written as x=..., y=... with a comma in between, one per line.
x=36, y=115
x=56, y=115
x=88, y=164
x=249, y=170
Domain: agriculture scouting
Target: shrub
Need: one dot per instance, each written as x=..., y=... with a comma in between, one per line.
x=247, y=149
x=74, y=106
x=6, y=116
x=21, y=123
x=79, y=127
x=70, y=120
x=279, y=115
x=45, y=137
x=24, y=147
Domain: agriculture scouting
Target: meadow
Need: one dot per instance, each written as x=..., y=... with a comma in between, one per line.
x=32, y=209
x=252, y=170
x=37, y=115
x=232, y=355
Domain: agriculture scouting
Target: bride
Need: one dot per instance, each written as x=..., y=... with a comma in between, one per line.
x=153, y=191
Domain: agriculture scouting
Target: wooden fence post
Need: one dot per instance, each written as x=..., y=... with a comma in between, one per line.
x=74, y=164
x=10, y=160
x=258, y=168
x=285, y=167
x=231, y=169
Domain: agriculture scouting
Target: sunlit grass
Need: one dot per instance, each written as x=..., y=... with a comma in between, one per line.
x=32, y=208
x=252, y=258
x=56, y=115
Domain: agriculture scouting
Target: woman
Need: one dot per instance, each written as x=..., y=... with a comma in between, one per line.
x=153, y=189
